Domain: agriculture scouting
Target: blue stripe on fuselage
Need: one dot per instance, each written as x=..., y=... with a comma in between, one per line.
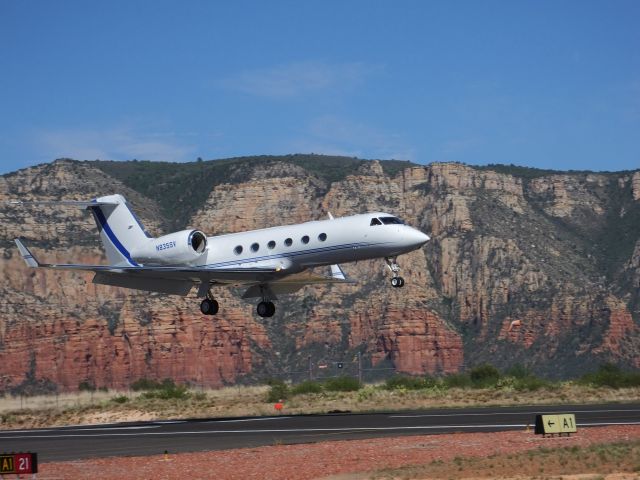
x=347, y=246
x=221, y=266
x=107, y=229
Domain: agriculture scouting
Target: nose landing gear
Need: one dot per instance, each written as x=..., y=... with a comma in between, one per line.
x=396, y=280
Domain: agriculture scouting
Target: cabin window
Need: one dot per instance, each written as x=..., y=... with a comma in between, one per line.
x=305, y=239
x=288, y=242
x=271, y=245
x=391, y=221
x=238, y=250
x=375, y=221
x=255, y=247
x=322, y=237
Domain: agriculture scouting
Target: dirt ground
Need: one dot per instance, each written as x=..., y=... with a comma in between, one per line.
x=518, y=454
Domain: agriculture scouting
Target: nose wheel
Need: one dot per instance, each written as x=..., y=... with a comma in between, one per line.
x=266, y=309
x=396, y=280
x=209, y=306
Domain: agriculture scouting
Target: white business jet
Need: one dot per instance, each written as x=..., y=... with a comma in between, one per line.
x=269, y=261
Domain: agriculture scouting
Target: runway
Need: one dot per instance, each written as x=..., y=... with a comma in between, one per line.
x=149, y=438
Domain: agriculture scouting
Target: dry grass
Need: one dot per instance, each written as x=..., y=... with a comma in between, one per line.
x=593, y=462
x=104, y=407
x=62, y=400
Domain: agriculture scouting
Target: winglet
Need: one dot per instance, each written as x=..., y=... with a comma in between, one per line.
x=330, y=216
x=27, y=256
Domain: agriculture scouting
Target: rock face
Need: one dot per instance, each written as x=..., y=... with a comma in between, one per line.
x=557, y=255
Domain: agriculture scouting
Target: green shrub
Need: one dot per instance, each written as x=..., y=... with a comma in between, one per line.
x=484, y=375
x=86, y=386
x=530, y=383
x=366, y=393
x=120, y=399
x=164, y=390
x=145, y=384
x=306, y=387
x=278, y=391
x=517, y=371
x=403, y=382
x=456, y=380
x=430, y=382
x=167, y=384
x=342, y=384
x=609, y=375
x=168, y=391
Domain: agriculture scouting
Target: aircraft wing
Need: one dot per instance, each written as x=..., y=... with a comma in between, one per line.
x=294, y=282
x=310, y=278
x=175, y=280
x=181, y=279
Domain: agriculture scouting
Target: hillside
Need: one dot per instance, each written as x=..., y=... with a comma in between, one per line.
x=181, y=188
x=557, y=251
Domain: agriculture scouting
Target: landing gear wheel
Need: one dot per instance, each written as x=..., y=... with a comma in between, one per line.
x=209, y=307
x=396, y=281
x=266, y=309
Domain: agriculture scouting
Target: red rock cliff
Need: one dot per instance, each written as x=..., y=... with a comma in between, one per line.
x=503, y=248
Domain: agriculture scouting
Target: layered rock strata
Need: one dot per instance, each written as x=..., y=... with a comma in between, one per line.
x=506, y=247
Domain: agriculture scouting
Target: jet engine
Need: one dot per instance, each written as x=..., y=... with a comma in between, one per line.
x=185, y=247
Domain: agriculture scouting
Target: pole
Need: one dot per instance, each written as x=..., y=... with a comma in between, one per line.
x=310, y=369
x=360, y=368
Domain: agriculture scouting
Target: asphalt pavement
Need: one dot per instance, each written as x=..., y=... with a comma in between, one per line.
x=149, y=438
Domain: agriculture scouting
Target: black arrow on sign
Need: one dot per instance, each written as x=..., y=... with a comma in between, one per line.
x=549, y=422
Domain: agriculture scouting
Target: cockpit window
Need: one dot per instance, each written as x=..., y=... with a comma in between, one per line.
x=391, y=221
x=375, y=221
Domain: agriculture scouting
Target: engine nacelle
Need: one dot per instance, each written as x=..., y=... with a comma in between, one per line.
x=183, y=247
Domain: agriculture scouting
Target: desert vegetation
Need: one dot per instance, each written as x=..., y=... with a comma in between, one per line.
x=482, y=377
x=481, y=386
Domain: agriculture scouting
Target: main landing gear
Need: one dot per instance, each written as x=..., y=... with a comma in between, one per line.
x=209, y=306
x=396, y=280
x=266, y=309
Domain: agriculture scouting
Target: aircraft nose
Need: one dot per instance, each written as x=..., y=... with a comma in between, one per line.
x=417, y=238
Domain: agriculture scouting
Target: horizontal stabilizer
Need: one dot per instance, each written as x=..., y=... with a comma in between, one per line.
x=26, y=254
x=71, y=203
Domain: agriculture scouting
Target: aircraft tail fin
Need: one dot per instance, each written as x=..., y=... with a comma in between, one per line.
x=120, y=229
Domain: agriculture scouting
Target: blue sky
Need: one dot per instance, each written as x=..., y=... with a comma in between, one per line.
x=549, y=84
